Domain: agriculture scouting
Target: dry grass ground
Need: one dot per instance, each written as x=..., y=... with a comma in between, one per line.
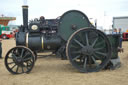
x=54, y=71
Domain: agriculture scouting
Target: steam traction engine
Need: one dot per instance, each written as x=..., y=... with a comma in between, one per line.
x=72, y=36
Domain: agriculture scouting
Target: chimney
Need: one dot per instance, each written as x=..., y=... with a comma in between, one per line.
x=25, y=16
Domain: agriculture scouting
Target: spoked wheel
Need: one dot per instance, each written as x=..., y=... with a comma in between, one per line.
x=88, y=50
x=19, y=60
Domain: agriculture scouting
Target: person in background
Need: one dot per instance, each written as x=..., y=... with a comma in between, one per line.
x=120, y=41
x=0, y=48
x=114, y=31
x=121, y=38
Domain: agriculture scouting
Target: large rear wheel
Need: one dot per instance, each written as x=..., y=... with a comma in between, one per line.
x=88, y=50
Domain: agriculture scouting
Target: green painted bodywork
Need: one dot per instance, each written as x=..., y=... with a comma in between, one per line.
x=68, y=20
x=114, y=40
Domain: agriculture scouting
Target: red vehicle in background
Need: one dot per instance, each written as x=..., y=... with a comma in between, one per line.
x=125, y=36
x=5, y=32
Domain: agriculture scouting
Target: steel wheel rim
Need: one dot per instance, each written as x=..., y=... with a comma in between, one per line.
x=85, y=57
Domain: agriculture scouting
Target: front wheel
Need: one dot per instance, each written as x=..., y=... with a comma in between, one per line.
x=19, y=60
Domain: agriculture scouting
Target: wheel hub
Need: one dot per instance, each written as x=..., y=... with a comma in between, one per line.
x=19, y=61
x=87, y=50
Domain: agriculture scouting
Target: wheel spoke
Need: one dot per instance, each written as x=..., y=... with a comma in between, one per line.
x=97, y=49
x=99, y=58
x=13, y=66
x=11, y=63
x=29, y=62
x=94, y=60
x=103, y=54
x=94, y=42
x=26, y=59
x=89, y=60
x=73, y=46
x=85, y=63
x=26, y=54
x=22, y=53
x=17, y=69
x=81, y=37
x=79, y=43
x=14, y=56
x=87, y=41
x=76, y=57
x=27, y=66
x=99, y=43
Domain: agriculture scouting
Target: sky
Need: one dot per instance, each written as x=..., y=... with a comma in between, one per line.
x=102, y=10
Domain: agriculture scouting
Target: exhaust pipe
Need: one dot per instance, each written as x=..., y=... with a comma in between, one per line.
x=25, y=16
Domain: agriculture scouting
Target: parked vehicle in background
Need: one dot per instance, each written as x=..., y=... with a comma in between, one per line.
x=125, y=35
x=5, y=32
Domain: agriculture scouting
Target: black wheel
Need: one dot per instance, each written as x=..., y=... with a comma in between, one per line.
x=19, y=60
x=4, y=37
x=35, y=55
x=88, y=50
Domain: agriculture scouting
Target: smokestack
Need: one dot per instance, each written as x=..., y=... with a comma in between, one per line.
x=25, y=16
